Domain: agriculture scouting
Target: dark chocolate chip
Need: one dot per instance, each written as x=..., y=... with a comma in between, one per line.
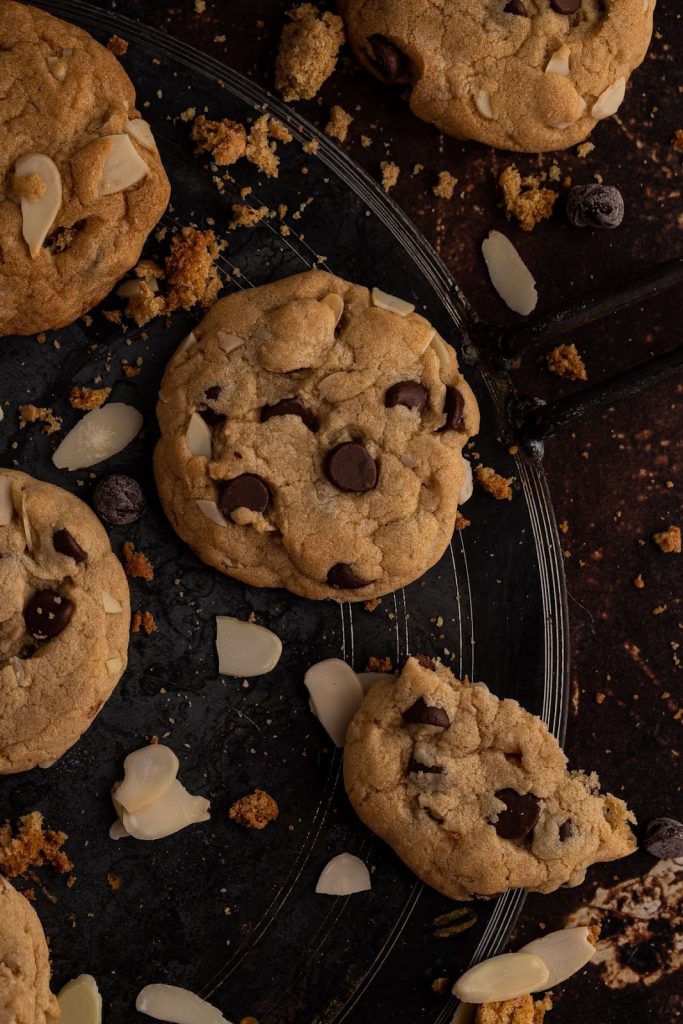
x=351, y=468
x=595, y=206
x=119, y=500
x=520, y=814
x=246, y=491
x=421, y=713
x=664, y=838
x=213, y=392
x=565, y=6
x=427, y=769
x=421, y=659
x=290, y=407
x=65, y=544
x=47, y=614
x=211, y=417
x=567, y=830
x=453, y=407
x=343, y=577
x=391, y=62
x=516, y=7
x=410, y=393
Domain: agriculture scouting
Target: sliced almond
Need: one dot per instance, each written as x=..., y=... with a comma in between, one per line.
x=391, y=302
x=187, y=343
x=609, y=101
x=229, y=342
x=345, y=875
x=559, y=62
x=148, y=773
x=38, y=215
x=18, y=668
x=563, y=952
x=444, y=352
x=177, y=1005
x=198, y=437
x=123, y=166
x=509, y=275
x=114, y=665
x=142, y=133
x=409, y=461
x=467, y=485
x=482, y=102
x=25, y=522
x=131, y=289
x=245, y=649
x=336, y=304
x=117, y=831
x=6, y=503
x=368, y=679
x=212, y=511
x=336, y=694
x=99, y=435
x=110, y=604
x=80, y=1001
x=175, y=809
x=503, y=977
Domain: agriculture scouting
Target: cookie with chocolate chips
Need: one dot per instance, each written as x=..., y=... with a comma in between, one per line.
x=64, y=621
x=24, y=963
x=473, y=792
x=529, y=75
x=311, y=438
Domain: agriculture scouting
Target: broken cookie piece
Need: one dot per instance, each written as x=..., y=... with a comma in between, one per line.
x=307, y=56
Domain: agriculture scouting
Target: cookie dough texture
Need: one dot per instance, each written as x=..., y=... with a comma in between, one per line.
x=282, y=341
x=480, y=71
x=25, y=996
x=50, y=690
x=62, y=93
x=442, y=824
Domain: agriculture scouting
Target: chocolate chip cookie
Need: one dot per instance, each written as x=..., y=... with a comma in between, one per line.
x=82, y=181
x=472, y=792
x=311, y=438
x=64, y=621
x=25, y=996
x=528, y=75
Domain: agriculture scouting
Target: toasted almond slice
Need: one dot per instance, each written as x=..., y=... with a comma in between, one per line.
x=244, y=648
x=114, y=665
x=175, y=809
x=148, y=773
x=336, y=694
x=467, y=486
x=409, y=461
x=336, y=304
x=80, y=1001
x=563, y=952
x=444, y=352
x=368, y=679
x=110, y=604
x=18, y=667
x=142, y=133
x=559, y=62
x=391, y=302
x=344, y=875
x=228, y=342
x=482, y=102
x=38, y=215
x=198, y=437
x=99, y=435
x=26, y=523
x=117, y=831
x=212, y=511
x=187, y=343
x=609, y=101
x=6, y=503
x=503, y=977
x=123, y=166
x=509, y=275
x=177, y=1005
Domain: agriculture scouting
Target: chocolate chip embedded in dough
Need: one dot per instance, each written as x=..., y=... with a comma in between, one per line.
x=409, y=393
x=47, y=614
x=421, y=713
x=351, y=468
x=520, y=815
x=290, y=407
x=66, y=544
x=417, y=767
x=343, y=577
x=245, y=491
x=391, y=62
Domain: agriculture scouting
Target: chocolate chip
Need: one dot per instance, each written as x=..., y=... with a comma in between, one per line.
x=516, y=7
x=211, y=417
x=567, y=830
x=119, y=500
x=427, y=769
x=351, y=468
x=410, y=393
x=565, y=6
x=246, y=491
x=290, y=407
x=65, y=544
x=342, y=576
x=595, y=206
x=392, y=63
x=47, y=614
x=213, y=392
x=453, y=407
x=421, y=713
x=664, y=838
x=520, y=814
x=421, y=659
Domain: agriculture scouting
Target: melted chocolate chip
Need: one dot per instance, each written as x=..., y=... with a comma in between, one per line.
x=567, y=830
x=421, y=713
x=427, y=769
x=65, y=544
x=453, y=407
x=409, y=393
x=421, y=659
x=47, y=614
x=351, y=468
x=392, y=63
x=246, y=491
x=520, y=814
x=516, y=7
x=290, y=407
x=565, y=6
x=343, y=577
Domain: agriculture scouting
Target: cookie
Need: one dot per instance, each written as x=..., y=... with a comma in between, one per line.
x=529, y=75
x=64, y=621
x=311, y=438
x=82, y=180
x=25, y=996
x=472, y=792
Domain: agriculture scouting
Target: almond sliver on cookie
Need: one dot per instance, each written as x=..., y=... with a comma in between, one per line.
x=99, y=435
x=368, y=679
x=609, y=101
x=148, y=773
x=503, y=977
x=6, y=503
x=344, y=875
x=172, y=812
x=245, y=649
x=391, y=302
x=563, y=952
x=177, y=1006
x=123, y=166
x=110, y=604
x=142, y=133
x=80, y=1001
x=38, y=214
x=198, y=437
x=509, y=275
x=336, y=695
x=212, y=511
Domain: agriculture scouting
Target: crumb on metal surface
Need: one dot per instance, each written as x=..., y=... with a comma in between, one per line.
x=338, y=125
x=445, y=186
x=493, y=483
x=565, y=361
x=117, y=45
x=39, y=414
x=390, y=173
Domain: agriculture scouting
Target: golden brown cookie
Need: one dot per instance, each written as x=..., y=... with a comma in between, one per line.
x=25, y=996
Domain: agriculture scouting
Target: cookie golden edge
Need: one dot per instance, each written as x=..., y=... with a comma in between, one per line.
x=25, y=993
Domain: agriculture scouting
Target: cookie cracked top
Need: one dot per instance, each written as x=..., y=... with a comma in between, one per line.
x=81, y=181
x=25, y=996
x=529, y=75
x=473, y=792
x=311, y=439
x=64, y=620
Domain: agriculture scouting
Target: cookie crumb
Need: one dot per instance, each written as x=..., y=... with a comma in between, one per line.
x=440, y=985
x=379, y=665
x=522, y=1010
x=191, y=274
x=445, y=187
x=260, y=149
x=113, y=881
x=390, y=172
x=669, y=540
x=677, y=141
x=88, y=398
x=584, y=149
x=493, y=483
x=565, y=361
x=31, y=846
x=136, y=563
x=338, y=125
x=461, y=523
x=117, y=45
x=256, y=810
x=312, y=146
x=225, y=140
x=307, y=56
x=246, y=216
x=39, y=414
x=144, y=621
x=370, y=606
x=639, y=582
x=529, y=205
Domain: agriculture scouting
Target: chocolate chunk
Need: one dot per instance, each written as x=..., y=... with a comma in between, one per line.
x=47, y=614
x=595, y=206
x=421, y=713
x=392, y=63
x=664, y=838
x=520, y=814
x=567, y=830
x=453, y=407
x=290, y=407
x=410, y=393
x=421, y=659
x=65, y=544
x=119, y=500
x=516, y=7
x=246, y=491
x=351, y=468
x=565, y=6
x=342, y=576
x=211, y=417
x=428, y=769
x=213, y=392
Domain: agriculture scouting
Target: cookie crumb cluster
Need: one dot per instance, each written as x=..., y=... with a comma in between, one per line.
x=307, y=56
x=225, y=140
x=88, y=398
x=525, y=199
x=445, y=187
x=39, y=414
x=390, y=174
x=144, y=621
x=136, y=563
x=256, y=810
x=522, y=1010
x=117, y=45
x=338, y=125
x=669, y=540
x=499, y=487
x=31, y=846
x=565, y=361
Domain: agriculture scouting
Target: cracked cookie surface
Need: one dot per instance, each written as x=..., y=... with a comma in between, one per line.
x=66, y=99
x=64, y=621
x=25, y=996
x=529, y=75
x=473, y=792
x=311, y=439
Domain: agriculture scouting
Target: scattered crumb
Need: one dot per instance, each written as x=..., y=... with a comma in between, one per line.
x=114, y=882
x=599, y=698
x=312, y=146
x=117, y=45
x=200, y=6
x=522, y=1010
x=379, y=665
x=365, y=141
x=88, y=398
x=145, y=302
x=247, y=216
x=191, y=275
x=440, y=985
x=260, y=150
x=189, y=114
x=659, y=609
x=639, y=582
x=225, y=140
x=135, y=563
x=446, y=185
x=277, y=130
x=564, y=526
x=31, y=846
x=42, y=337
x=565, y=361
x=39, y=414
x=390, y=172
x=256, y=810
x=373, y=603
x=307, y=56
x=144, y=621
x=338, y=125
x=114, y=316
x=461, y=523
x=493, y=483
x=529, y=205
x=677, y=141
x=669, y=540
x=584, y=149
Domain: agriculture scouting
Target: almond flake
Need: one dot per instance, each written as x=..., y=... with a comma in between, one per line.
x=198, y=437
x=245, y=649
x=38, y=215
x=212, y=511
x=503, y=977
x=563, y=952
x=177, y=1005
x=391, y=302
x=482, y=102
x=80, y=1001
x=123, y=166
x=467, y=486
x=114, y=665
x=336, y=694
x=228, y=342
x=344, y=875
x=142, y=133
x=99, y=435
x=368, y=679
x=173, y=811
x=336, y=304
x=6, y=503
x=117, y=831
x=409, y=461
x=444, y=352
x=110, y=604
x=559, y=62
x=26, y=523
x=609, y=101
x=148, y=773
x=509, y=275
